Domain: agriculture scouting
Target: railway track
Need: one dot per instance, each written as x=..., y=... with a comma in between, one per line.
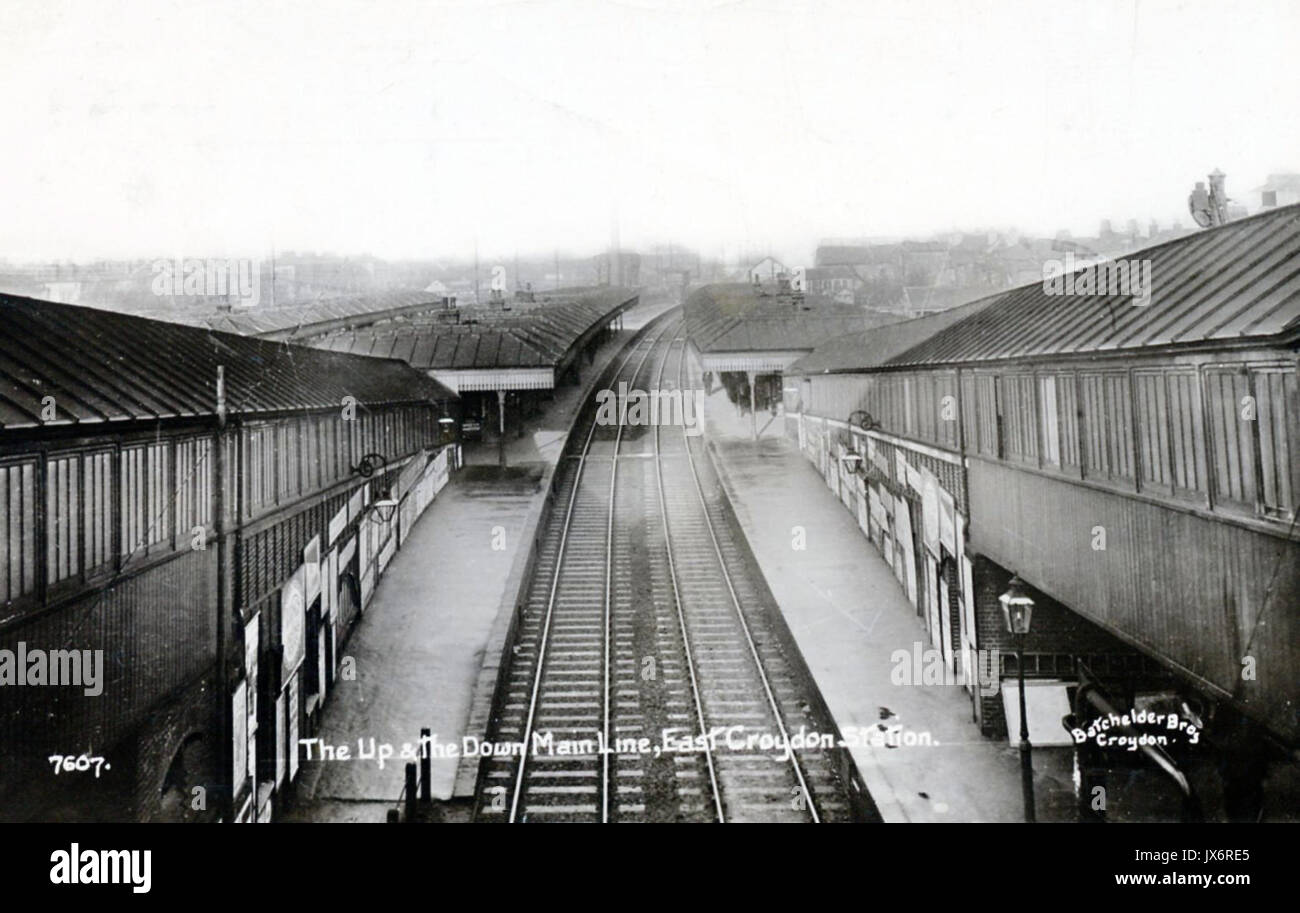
x=650, y=679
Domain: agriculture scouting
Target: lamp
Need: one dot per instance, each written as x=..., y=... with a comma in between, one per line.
x=1017, y=610
x=1017, y=607
x=385, y=507
x=369, y=464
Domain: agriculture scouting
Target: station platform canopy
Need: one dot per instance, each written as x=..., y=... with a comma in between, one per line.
x=871, y=348
x=64, y=364
x=513, y=344
x=305, y=319
x=744, y=327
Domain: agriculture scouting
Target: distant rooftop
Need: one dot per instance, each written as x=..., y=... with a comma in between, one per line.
x=735, y=317
x=872, y=348
x=537, y=334
x=1237, y=281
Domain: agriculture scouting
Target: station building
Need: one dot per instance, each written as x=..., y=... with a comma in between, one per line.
x=745, y=336
x=503, y=358
x=1135, y=464
x=200, y=516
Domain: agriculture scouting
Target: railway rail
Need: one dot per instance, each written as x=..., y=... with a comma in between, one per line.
x=651, y=678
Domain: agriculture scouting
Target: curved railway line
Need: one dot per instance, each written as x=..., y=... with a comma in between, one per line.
x=651, y=677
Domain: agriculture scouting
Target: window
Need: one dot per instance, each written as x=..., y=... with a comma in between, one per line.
x=18, y=526
x=1186, y=437
x=146, y=496
x=1231, y=449
x=1153, y=431
x=1050, y=426
x=193, y=485
x=259, y=467
x=1018, y=413
x=948, y=409
x=286, y=459
x=1276, y=402
x=925, y=405
x=325, y=448
x=908, y=413
x=1108, y=428
x=97, y=508
x=309, y=453
x=62, y=519
x=1119, y=434
x=986, y=399
x=1067, y=416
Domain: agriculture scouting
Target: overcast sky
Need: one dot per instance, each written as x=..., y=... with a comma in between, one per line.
x=413, y=129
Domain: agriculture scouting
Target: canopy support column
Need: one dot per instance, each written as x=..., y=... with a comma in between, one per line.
x=501, y=422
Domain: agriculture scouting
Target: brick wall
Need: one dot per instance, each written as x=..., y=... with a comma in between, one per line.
x=191, y=721
x=1053, y=629
x=157, y=631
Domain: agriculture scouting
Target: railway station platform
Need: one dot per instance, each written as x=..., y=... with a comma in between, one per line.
x=420, y=647
x=849, y=616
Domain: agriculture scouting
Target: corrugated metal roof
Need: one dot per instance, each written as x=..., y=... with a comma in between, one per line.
x=302, y=315
x=871, y=348
x=535, y=334
x=102, y=366
x=1234, y=282
x=734, y=317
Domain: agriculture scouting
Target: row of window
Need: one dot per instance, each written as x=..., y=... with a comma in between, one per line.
x=921, y=406
x=84, y=496
x=103, y=507
x=285, y=460
x=1218, y=435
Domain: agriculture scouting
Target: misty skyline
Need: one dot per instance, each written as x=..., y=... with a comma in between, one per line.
x=420, y=130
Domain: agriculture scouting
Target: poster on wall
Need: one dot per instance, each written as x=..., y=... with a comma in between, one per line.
x=337, y=523
x=906, y=569
x=252, y=759
x=930, y=510
x=311, y=565
x=947, y=522
x=293, y=622
x=363, y=549
x=294, y=711
x=328, y=585
x=280, y=733
x=320, y=664
x=251, y=646
x=239, y=721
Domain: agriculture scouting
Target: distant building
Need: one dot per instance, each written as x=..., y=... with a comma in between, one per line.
x=1278, y=190
x=832, y=280
x=618, y=268
x=765, y=270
